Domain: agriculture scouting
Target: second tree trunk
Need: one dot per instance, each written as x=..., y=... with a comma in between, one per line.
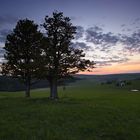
x=53, y=89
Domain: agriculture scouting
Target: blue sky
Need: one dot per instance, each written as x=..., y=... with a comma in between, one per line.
x=108, y=27
x=111, y=13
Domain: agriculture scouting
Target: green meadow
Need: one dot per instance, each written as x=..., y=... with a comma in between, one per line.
x=86, y=110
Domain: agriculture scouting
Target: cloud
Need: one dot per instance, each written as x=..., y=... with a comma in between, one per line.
x=1, y=52
x=73, y=18
x=3, y=34
x=96, y=36
x=1, y=55
x=102, y=63
x=110, y=38
x=79, y=32
x=81, y=45
x=106, y=48
x=123, y=25
x=132, y=42
x=96, y=28
x=136, y=21
x=7, y=19
x=104, y=42
x=96, y=41
x=108, y=61
x=127, y=28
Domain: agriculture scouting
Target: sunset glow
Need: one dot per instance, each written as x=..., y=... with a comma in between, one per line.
x=116, y=69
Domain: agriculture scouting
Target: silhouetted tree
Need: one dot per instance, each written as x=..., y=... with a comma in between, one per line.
x=23, y=52
x=61, y=60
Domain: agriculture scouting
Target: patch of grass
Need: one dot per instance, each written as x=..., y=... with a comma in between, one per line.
x=87, y=112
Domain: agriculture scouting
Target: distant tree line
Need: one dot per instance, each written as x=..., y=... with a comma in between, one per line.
x=31, y=55
x=10, y=84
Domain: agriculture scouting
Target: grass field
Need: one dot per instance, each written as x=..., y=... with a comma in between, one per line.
x=85, y=111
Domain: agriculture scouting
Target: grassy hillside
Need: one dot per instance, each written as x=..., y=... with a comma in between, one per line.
x=86, y=110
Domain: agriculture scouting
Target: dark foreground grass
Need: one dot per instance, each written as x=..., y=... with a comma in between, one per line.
x=90, y=112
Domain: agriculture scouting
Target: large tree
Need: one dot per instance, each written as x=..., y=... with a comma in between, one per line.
x=61, y=60
x=23, y=53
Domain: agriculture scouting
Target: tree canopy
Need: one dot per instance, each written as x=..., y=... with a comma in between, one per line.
x=61, y=59
x=31, y=54
x=23, y=50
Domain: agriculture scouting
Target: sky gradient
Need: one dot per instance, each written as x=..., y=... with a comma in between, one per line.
x=107, y=30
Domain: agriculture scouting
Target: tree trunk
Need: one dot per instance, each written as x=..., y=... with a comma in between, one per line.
x=53, y=89
x=28, y=84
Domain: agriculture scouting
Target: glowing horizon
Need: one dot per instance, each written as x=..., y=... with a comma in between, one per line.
x=133, y=67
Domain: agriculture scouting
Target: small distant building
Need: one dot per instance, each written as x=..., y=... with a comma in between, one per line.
x=121, y=83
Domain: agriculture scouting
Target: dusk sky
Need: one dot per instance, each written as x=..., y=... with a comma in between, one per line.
x=107, y=30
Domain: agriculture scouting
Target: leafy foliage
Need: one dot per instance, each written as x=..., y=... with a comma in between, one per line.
x=23, y=50
x=62, y=60
x=31, y=55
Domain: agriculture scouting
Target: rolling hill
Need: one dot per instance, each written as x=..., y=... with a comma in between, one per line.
x=13, y=84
